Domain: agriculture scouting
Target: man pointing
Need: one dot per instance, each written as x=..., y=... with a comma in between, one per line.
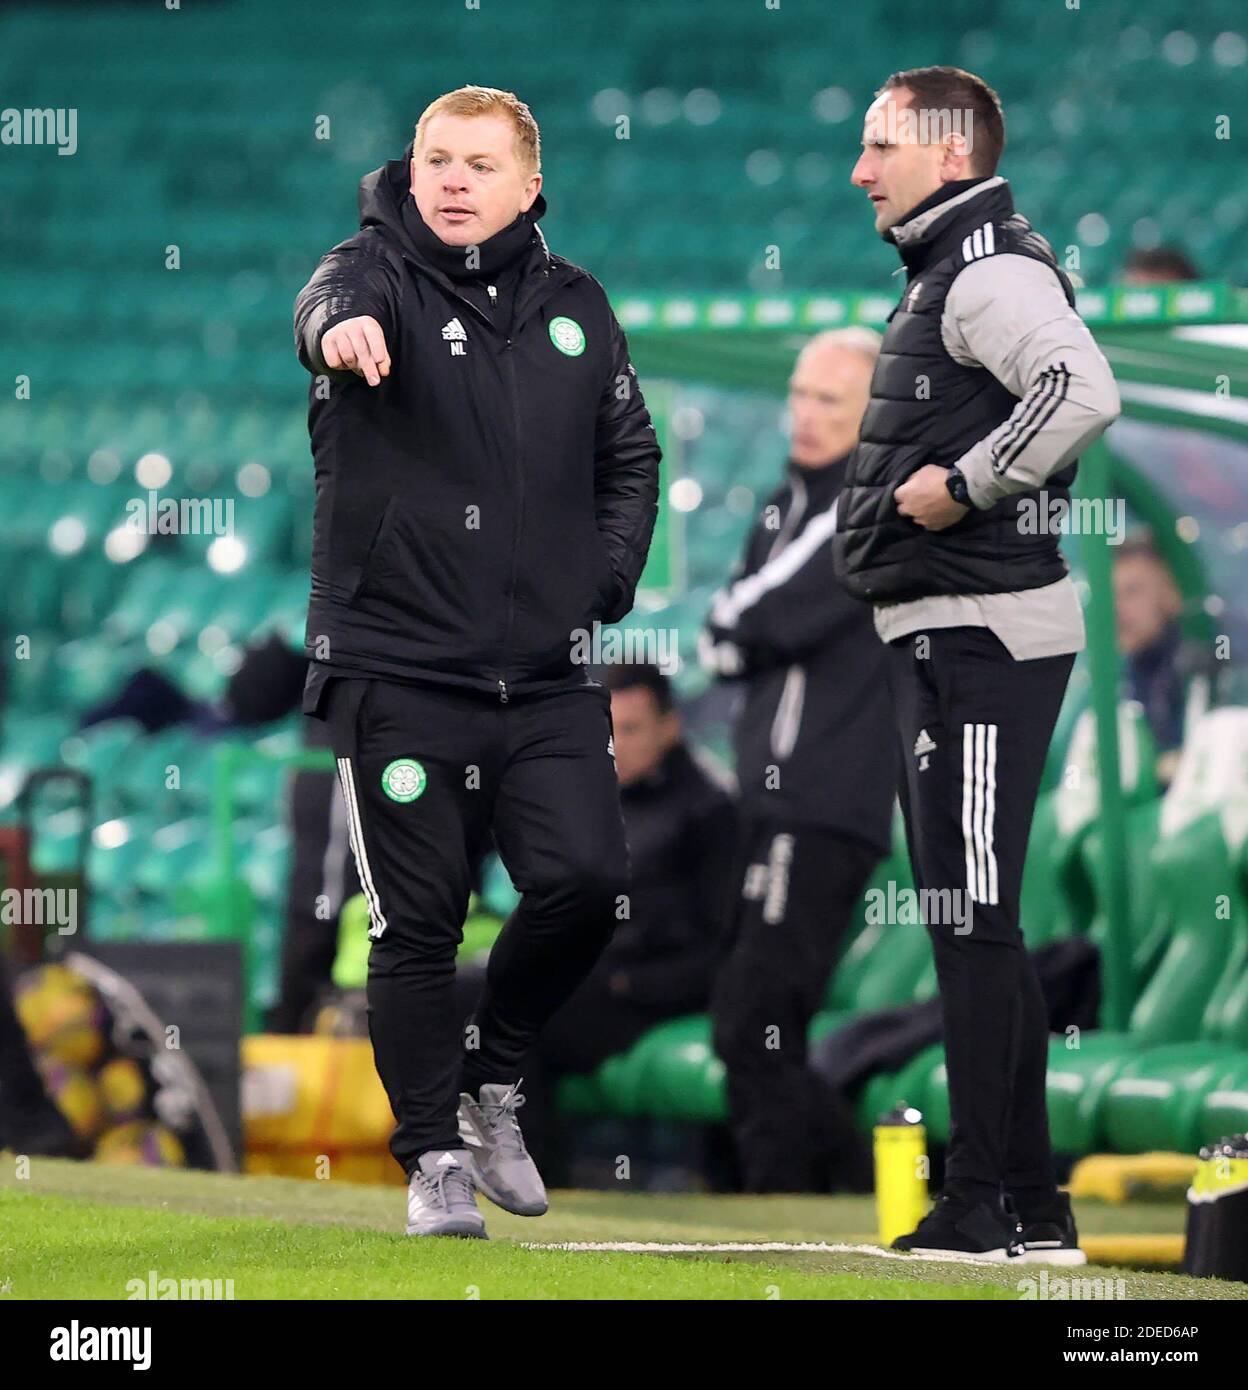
x=486, y=486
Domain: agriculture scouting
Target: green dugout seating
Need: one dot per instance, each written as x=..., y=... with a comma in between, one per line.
x=888, y=963
x=102, y=750
x=1223, y=1108
x=128, y=357
x=1064, y=870
x=673, y=1072
x=90, y=669
x=1188, y=1032
x=921, y=1083
x=146, y=589
x=1180, y=1074
x=118, y=848
x=883, y=962
x=33, y=681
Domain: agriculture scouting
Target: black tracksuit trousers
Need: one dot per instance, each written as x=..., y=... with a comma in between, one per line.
x=975, y=726
x=428, y=772
x=799, y=886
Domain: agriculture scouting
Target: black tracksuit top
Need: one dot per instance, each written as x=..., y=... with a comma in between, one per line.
x=815, y=743
x=496, y=492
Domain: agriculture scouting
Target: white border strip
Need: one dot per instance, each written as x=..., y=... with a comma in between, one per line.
x=979, y=804
x=644, y=1247
x=356, y=832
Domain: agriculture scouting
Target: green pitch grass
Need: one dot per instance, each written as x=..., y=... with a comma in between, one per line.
x=83, y=1231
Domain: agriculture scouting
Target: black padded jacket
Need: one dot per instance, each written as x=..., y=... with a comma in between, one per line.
x=497, y=492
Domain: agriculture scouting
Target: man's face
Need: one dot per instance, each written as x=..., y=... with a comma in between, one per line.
x=1146, y=601
x=828, y=393
x=643, y=734
x=897, y=171
x=467, y=180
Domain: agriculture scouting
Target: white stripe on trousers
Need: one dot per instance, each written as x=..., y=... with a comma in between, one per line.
x=356, y=832
x=979, y=807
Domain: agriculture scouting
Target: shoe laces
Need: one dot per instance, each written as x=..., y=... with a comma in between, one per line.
x=500, y=1115
x=450, y=1185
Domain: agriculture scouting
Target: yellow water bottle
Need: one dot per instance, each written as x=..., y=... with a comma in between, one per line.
x=900, y=1172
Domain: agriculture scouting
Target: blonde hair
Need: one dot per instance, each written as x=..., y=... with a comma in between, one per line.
x=857, y=339
x=489, y=101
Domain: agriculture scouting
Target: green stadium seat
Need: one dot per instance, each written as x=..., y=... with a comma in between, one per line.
x=1156, y=1100
x=145, y=588
x=1149, y=925
x=909, y=1086
x=266, y=866
x=33, y=676
x=117, y=850
x=89, y=670
x=57, y=842
x=678, y=1075
x=103, y=749
x=174, y=855
x=1224, y=1108
x=1195, y=996
x=883, y=965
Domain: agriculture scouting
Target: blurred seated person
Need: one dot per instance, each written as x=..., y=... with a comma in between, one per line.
x=1160, y=265
x=1170, y=677
x=659, y=964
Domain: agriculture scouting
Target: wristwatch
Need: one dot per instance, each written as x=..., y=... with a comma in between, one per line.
x=956, y=483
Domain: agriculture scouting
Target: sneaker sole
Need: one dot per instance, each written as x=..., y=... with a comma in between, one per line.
x=500, y=1198
x=1058, y=1255
x=966, y=1257
x=465, y=1232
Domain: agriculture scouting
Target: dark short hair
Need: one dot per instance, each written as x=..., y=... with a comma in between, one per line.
x=1140, y=545
x=946, y=89
x=643, y=676
x=1163, y=260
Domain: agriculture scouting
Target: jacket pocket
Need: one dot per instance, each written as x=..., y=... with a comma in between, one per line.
x=385, y=528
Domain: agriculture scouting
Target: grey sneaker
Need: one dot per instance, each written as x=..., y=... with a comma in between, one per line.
x=501, y=1165
x=440, y=1197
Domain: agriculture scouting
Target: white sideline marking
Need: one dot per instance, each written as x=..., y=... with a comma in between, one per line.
x=654, y=1247
x=644, y=1247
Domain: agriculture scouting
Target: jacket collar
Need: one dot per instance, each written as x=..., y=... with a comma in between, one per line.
x=939, y=220
x=821, y=483
x=661, y=776
x=381, y=199
x=496, y=256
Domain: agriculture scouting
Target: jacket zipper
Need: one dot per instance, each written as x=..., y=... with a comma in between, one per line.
x=494, y=303
x=510, y=361
x=503, y=693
